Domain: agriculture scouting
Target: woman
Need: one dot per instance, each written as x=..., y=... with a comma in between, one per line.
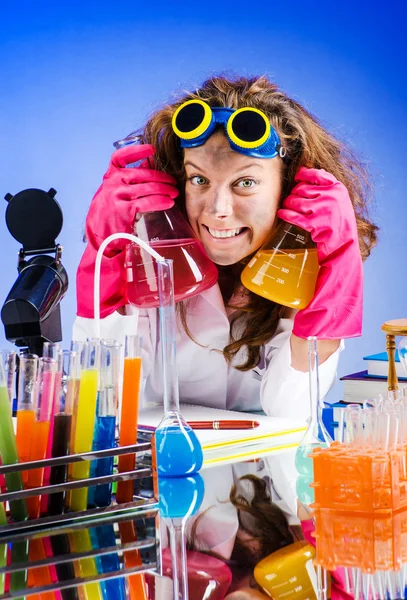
x=237, y=350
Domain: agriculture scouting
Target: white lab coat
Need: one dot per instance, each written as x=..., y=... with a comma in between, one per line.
x=205, y=378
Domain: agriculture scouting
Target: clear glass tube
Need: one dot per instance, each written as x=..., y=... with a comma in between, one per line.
x=9, y=448
x=105, y=437
x=40, y=430
x=61, y=434
x=9, y=361
x=105, y=426
x=26, y=405
x=85, y=415
x=129, y=412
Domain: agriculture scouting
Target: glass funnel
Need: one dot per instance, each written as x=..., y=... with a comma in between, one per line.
x=316, y=435
x=178, y=450
x=285, y=269
x=168, y=232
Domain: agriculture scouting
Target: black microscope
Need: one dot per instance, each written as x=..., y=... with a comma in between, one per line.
x=31, y=313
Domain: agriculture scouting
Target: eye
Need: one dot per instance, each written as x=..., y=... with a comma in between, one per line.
x=247, y=182
x=197, y=180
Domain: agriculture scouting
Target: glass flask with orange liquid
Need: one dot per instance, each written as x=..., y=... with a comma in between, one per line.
x=169, y=234
x=285, y=269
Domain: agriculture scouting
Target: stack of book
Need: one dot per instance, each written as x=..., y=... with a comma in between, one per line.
x=361, y=386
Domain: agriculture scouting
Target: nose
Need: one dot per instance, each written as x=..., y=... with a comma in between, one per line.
x=220, y=203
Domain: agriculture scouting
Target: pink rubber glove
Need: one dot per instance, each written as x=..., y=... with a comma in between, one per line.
x=123, y=193
x=321, y=205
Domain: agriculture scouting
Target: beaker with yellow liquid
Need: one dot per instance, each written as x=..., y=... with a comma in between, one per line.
x=285, y=268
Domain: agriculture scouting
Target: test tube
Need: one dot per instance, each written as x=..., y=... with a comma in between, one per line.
x=8, y=449
x=353, y=425
x=85, y=415
x=129, y=413
x=52, y=350
x=8, y=360
x=105, y=429
x=60, y=446
x=81, y=349
x=3, y=548
x=40, y=431
x=26, y=405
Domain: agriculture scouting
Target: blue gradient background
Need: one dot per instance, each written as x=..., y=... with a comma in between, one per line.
x=75, y=79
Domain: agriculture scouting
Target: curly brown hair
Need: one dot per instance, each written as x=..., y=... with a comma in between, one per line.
x=307, y=143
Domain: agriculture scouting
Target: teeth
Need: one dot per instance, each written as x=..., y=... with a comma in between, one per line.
x=224, y=234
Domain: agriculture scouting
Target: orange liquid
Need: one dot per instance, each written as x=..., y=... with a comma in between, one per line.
x=39, y=443
x=132, y=558
x=41, y=575
x=128, y=424
x=25, y=423
x=287, y=277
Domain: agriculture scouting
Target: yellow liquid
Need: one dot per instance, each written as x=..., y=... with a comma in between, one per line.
x=83, y=436
x=85, y=567
x=288, y=573
x=287, y=277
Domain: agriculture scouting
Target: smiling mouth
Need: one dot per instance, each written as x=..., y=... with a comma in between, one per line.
x=225, y=233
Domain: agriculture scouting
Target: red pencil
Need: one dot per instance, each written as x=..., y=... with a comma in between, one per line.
x=223, y=424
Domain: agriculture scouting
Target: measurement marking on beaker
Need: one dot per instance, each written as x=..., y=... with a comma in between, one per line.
x=143, y=264
x=298, y=237
x=285, y=253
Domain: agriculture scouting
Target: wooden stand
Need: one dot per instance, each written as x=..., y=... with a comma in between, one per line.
x=392, y=329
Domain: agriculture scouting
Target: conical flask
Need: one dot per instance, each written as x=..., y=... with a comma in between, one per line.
x=316, y=435
x=285, y=269
x=168, y=232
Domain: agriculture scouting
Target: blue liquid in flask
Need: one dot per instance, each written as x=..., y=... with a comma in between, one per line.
x=178, y=451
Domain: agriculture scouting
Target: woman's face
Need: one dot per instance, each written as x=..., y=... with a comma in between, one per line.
x=231, y=199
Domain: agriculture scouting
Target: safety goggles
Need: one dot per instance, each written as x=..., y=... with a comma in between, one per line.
x=247, y=129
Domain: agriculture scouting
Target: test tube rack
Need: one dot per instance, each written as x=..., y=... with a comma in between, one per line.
x=141, y=511
x=360, y=508
x=360, y=479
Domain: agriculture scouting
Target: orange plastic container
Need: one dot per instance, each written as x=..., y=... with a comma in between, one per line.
x=359, y=480
x=368, y=541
